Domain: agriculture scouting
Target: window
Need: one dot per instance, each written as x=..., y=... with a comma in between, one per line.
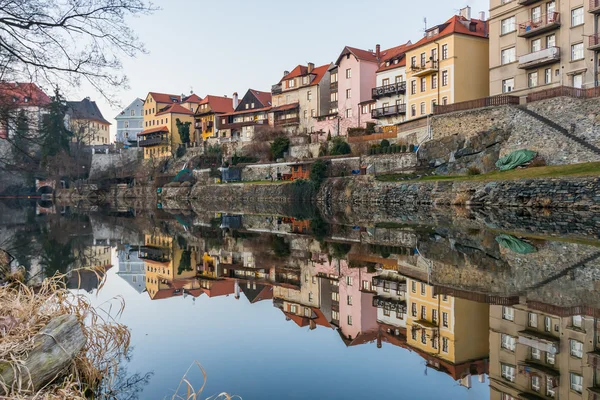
x=550, y=41
x=536, y=383
x=334, y=96
x=335, y=315
x=577, y=321
x=445, y=319
x=294, y=308
x=532, y=79
x=434, y=56
x=305, y=114
x=577, y=16
x=577, y=51
x=576, y=348
x=508, y=85
x=348, y=73
x=386, y=312
x=576, y=382
x=413, y=61
x=532, y=320
x=335, y=296
x=435, y=343
x=578, y=81
x=433, y=104
x=444, y=52
x=413, y=286
x=434, y=80
x=291, y=83
x=334, y=77
x=365, y=109
x=348, y=93
x=349, y=319
x=547, y=324
x=549, y=386
x=349, y=300
x=305, y=80
x=413, y=110
x=423, y=59
x=349, y=280
x=445, y=102
x=385, y=82
x=508, y=55
x=536, y=45
x=247, y=106
x=506, y=396
x=548, y=75
x=313, y=112
x=413, y=87
x=508, y=372
x=550, y=7
x=444, y=78
x=306, y=312
x=508, y=342
x=550, y=359
x=422, y=289
x=445, y=345
x=423, y=336
x=133, y=113
x=399, y=79
x=423, y=312
x=309, y=95
x=508, y=313
x=366, y=285
x=508, y=25
x=414, y=334
x=536, y=354
x=414, y=309
x=536, y=14
x=423, y=84
x=423, y=108
x=434, y=316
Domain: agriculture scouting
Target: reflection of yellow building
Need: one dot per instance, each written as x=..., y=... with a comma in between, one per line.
x=449, y=65
x=450, y=328
x=160, y=137
x=93, y=257
x=167, y=265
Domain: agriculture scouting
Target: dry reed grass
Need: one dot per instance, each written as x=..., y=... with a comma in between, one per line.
x=26, y=310
x=192, y=394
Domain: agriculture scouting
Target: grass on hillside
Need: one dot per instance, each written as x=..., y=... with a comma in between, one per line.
x=555, y=171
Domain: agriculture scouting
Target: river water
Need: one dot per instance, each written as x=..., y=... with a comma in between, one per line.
x=472, y=305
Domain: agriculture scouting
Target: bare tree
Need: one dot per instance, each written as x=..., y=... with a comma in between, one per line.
x=62, y=42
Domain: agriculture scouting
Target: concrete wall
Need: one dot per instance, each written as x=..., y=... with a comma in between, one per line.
x=102, y=163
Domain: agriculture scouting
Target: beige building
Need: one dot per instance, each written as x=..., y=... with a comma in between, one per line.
x=537, y=354
x=543, y=44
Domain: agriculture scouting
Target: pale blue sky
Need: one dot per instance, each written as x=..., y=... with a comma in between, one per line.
x=218, y=47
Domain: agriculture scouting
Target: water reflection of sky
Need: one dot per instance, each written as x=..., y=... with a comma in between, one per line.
x=251, y=350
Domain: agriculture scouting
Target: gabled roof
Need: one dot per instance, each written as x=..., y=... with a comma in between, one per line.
x=263, y=97
x=286, y=107
x=390, y=55
x=122, y=113
x=363, y=55
x=300, y=70
x=319, y=73
x=218, y=104
x=457, y=24
x=22, y=94
x=165, y=98
x=193, y=98
x=86, y=109
x=175, y=109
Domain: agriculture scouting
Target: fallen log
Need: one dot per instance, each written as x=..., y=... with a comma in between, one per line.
x=55, y=347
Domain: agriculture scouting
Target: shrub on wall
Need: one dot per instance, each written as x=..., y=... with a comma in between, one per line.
x=340, y=147
x=318, y=172
x=385, y=143
x=370, y=127
x=279, y=146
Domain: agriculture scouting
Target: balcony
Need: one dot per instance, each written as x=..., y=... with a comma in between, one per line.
x=393, y=282
x=333, y=86
x=276, y=89
x=528, y=2
x=334, y=104
x=540, y=341
x=287, y=121
x=237, y=125
x=154, y=254
x=153, y=141
x=427, y=68
x=547, y=56
x=389, y=304
x=389, y=90
x=594, y=41
x=545, y=23
x=594, y=6
x=388, y=111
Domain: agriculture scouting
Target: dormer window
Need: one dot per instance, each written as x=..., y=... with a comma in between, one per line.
x=252, y=105
x=291, y=83
x=247, y=106
x=26, y=99
x=396, y=61
x=305, y=80
x=387, y=63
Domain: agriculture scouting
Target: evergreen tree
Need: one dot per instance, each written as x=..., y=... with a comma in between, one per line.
x=20, y=146
x=55, y=135
x=184, y=130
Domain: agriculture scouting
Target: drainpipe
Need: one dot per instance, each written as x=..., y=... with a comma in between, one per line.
x=439, y=81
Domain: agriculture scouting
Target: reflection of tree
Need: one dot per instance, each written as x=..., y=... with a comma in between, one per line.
x=56, y=256
x=117, y=384
x=185, y=264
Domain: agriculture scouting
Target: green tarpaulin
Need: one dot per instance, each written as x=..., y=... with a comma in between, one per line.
x=514, y=159
x=181, y=175
x=514, y=244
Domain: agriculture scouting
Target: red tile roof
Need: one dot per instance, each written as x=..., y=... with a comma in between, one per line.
x=219, y=288
x=392, y=54
x=456, y=24
x=286, y=107
x=165, y=98
x=24, y=94
x=175, y=109
x=218, y=104
x=147, y=132
x=319, y=73
x=300, y=70
x=263, y=97
x=193, y=98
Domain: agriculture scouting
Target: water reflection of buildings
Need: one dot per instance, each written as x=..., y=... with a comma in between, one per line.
x=132, y=268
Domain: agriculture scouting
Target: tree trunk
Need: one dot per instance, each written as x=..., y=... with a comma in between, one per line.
x=55, y=347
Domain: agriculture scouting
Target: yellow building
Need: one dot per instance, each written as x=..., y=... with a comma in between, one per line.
x=449, y=328
x=160, y=137
x=449, y=65
x=207, y=125
x=87, y=123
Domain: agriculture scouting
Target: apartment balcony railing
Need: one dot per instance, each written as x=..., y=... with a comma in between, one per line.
x=528, y=2
x=537, y=59
x=152, y=141
x=545, y=23
x=276, y=89
x=334, y=104
x=333, y=86
x=388, y=111
x=287, y=121
x=154, y=254
x=389, y=90
x=594, y=6
x=594, y=41
x=424, y=69
x=389, y=304
x=236, y=125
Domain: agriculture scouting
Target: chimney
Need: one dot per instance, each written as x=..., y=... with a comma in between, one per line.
x=482, y=16
x=378, y=51
x=312, y=325
x=466, y=13
x=235, y=100
x=311, y=66
x=286, y=73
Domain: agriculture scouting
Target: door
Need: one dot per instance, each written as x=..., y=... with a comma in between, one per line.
x=578, y=81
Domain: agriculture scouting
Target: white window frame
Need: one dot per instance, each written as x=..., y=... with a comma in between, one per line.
x=576, y=382
x=508, y=55
x=576, y=348
x=508, y=372
x=508, y=313
x=577, y=16
x=508, y=342
x=577, y=51
x=508, y=25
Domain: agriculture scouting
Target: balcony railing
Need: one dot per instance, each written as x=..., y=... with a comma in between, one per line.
x=426, y=68
x=276, y=89
x=388, y=111
x=594, y=6
x=152, y=141
x=389, y=304
x=334, y=104
x=236, y=125
x=595, y=41
x=388, y=90
x=494, y=101
x=550, y=55
x=333, y=86
x=527, y=2
x=287, y=121
x=545, y=23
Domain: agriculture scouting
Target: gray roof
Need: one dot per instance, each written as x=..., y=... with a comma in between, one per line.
x=86, y=109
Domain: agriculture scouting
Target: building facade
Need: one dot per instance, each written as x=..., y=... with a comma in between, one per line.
x=130, y=122
x=543, y=44
x=22, y=97
x=449, y=65
x=86, y=122
x=207, y=123
x=251, y=112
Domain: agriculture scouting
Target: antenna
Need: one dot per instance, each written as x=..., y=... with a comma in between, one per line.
x=191, y=90
x=425, y=22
